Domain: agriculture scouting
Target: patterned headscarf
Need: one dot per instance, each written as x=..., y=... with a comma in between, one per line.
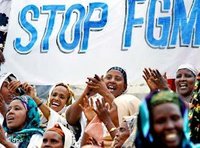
x=144, y=137
x=123, y=72
x=31, y=126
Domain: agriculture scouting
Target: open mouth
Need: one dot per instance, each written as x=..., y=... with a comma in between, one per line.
x=55, y=104
x=10, y=118
x=183, y=85
x=111, y=88
x=172, y=137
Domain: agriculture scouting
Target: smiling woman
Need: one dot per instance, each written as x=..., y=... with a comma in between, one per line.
x=167, y=129
x=111, y=88
x=185, y=81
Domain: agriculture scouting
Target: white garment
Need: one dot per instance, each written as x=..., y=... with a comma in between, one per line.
x=56, y=118
x=127, y=105
x=1, y=119
x=35, y=142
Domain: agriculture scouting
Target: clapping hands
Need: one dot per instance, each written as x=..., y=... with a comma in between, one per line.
x=155, y=80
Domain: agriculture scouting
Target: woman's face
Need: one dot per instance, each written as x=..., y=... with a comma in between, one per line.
x=184, y=82
x=16, y=115
x=115, y=82
x=122, y=134
x=52, y=139
x=5, y=92
x=59, y=97
x=167, y=124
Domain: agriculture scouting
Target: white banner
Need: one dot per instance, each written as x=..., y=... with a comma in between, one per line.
x=50, y=41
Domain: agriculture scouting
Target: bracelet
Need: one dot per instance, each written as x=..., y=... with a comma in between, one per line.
x=112, y=129
x=40, y=104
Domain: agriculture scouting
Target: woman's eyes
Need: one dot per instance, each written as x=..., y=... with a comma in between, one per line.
x=186, y=75
x=60, y=96
x=160, y=121
x=15, y=108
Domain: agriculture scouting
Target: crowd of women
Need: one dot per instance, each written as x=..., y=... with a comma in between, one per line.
x=104, y=115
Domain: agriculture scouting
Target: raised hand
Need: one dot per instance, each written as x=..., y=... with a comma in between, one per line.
x=88, y=108
x=13, y=85
x=3, y=108
x=2, y=135
x=98, y=85
x=154, y=79
x=30, y=90
x=102, y=111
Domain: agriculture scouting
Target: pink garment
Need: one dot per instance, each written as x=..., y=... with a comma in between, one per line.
x=95, y=129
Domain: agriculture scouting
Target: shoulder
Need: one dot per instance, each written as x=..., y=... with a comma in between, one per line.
x=127, y=97
x=35, y=141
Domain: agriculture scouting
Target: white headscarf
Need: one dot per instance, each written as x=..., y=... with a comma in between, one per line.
x=70, y=100
x=189, y=67
x=69, y=136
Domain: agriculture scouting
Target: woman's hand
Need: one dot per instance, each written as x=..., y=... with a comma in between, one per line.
x=155, y=80
x=2, y=135
x=3, y=139
x=3, y=108
x=13, y=85
x=88, y=108
x=98, y=85
x=102, y=111
x=30, y=90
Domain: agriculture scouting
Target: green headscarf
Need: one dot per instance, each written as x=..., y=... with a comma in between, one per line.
x=31, y=126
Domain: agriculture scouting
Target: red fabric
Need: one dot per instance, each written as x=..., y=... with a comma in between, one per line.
x=171, y=83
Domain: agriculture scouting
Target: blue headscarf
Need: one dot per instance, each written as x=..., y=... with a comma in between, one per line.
x=144, y=137
x=31, y=126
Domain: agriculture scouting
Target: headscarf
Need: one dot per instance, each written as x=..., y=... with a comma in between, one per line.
x=144, y=137
x=130, y=121
x=122, y=71
x=6, y=77
x=31, y=126
x=132, y=125
x=189, y=67
x=66, y=134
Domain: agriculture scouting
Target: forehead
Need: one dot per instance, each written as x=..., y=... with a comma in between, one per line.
x=16, y=102
x=165, y=109
x=183, y=71
x=52, y=135
x=124, y=124
x=60, y=88
x=114, y=73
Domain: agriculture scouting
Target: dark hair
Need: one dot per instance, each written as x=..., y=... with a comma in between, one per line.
x=123, y=72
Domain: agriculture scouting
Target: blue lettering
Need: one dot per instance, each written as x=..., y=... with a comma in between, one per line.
x=94, y=25
x=30, y=29
x=187, y=27
x=69, y=47
x=163, y=23
x=52, y=11
x=130, y=22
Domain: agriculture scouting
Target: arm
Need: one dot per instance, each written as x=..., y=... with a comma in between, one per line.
x=3, y=140
x=98, y=85
x=104, y=115
x=73, y=113
x=3, y=108
x=32, y=92
x=88, y=109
